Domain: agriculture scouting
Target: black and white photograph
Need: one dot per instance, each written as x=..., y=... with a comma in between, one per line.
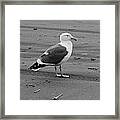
x=59, y=59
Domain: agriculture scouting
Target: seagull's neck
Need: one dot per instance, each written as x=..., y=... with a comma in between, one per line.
x=67, y=44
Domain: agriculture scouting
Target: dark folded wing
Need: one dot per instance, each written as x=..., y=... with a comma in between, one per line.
x=54, y=54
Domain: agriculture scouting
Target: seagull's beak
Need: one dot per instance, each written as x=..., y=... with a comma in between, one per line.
x=73, y=38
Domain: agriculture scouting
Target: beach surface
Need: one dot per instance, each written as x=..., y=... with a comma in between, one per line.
x=83, y=66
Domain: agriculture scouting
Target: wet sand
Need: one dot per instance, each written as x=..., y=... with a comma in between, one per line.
x=83, y=66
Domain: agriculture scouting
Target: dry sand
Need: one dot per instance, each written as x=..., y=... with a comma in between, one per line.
x=83, y=66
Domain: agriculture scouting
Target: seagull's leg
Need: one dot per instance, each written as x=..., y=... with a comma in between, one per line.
x=60, y=70
x=55, y=70
x=57, y=75
x=62, y=75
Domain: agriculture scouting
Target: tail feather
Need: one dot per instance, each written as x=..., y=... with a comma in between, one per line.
x=36, y=66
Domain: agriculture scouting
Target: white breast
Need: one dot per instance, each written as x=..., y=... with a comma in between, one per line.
x=69, y=46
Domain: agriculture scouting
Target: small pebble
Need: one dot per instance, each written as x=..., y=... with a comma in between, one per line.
x=93, y=59
x=76, y=58
x=30, y=85
x=29, y=48
x=36, y=91
x=35, y=28
x=47, y=81
x=57, y=97
x=23, y=62
x=90, y=68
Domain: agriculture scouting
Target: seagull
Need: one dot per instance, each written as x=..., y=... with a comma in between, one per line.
x=56, y=55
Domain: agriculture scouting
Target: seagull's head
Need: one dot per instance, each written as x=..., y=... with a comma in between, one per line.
x=67, y=37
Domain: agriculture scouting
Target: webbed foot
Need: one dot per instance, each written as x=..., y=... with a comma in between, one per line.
x=62, y=76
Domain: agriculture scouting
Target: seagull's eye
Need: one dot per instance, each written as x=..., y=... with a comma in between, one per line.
x=67, y=35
